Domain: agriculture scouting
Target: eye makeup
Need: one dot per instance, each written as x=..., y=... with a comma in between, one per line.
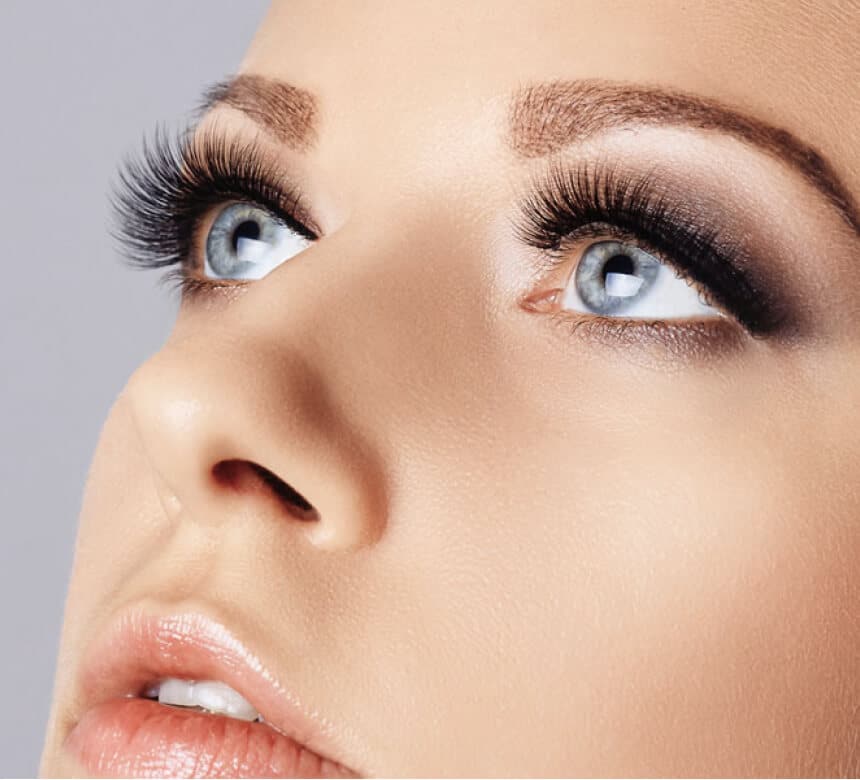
x=569, y=203
x=165, y=193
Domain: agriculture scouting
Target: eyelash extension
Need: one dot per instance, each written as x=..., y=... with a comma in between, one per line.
x=567, y=204
x=163, y=193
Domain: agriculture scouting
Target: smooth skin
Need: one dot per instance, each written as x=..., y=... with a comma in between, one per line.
x=537, y=552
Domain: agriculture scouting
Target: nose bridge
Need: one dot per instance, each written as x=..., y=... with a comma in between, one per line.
x=206, y=400
x=312, y=371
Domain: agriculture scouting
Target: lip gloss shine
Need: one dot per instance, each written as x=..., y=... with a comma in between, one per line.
x=121, y=734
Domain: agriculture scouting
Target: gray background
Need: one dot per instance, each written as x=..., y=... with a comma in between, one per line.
x=79, y=85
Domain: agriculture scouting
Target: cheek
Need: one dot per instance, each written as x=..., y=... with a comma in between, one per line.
x=672, y=593
x=651, y=584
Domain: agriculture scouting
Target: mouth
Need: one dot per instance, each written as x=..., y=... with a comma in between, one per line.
x=179, y=696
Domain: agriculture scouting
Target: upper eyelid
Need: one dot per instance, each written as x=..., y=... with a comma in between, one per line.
x=545, y=117
x=229, y=148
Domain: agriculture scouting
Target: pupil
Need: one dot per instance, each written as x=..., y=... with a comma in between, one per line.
x=248, y=229
x=618, y=264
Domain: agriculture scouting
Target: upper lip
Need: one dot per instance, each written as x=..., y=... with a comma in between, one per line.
x=140, y=648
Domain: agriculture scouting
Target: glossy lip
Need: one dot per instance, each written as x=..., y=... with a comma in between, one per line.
x=140, y=648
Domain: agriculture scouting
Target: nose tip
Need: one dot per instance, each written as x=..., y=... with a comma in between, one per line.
x=221, y=447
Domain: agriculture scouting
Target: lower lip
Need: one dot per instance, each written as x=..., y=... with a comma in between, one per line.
x=142, y=738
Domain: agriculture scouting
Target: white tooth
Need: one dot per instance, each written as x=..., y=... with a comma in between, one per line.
x=178, y=692
x=208, y=694
x=217, y=697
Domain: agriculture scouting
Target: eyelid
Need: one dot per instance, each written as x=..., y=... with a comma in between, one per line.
x=568, y=199
x=677, y=339
x=164, y=192
x=233, y=167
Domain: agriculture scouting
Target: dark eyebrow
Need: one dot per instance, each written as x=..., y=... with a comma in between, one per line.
x=545, y=117
x=288, y=112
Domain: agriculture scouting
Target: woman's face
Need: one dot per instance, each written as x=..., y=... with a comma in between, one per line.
x=538, y=453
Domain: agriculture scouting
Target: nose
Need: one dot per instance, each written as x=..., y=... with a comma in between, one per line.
x=247, y=424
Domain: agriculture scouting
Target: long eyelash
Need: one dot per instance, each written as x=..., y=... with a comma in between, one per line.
x=164, y=191
x=570, y=203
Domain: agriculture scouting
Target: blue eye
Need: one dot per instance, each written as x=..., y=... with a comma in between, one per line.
x=618, y=279
x=247, y=241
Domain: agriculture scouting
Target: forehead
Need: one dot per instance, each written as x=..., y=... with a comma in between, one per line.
x=373, y=63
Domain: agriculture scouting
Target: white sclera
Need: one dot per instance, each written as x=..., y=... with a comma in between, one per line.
x=263, y=257
x=242, y=257
x=668, y=296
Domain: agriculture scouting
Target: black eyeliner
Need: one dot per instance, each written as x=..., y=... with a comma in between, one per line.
x=568, y=202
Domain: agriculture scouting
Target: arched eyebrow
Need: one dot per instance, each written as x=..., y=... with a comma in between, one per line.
x=287, y=112
x=546, y=117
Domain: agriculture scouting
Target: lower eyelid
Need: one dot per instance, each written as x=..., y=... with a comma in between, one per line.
x=697, y=340
x=196, y=289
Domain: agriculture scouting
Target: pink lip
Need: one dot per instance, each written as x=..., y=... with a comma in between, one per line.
x=122, y=735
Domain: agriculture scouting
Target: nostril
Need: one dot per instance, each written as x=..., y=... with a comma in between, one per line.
x=236, y=472
x=287, y=493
